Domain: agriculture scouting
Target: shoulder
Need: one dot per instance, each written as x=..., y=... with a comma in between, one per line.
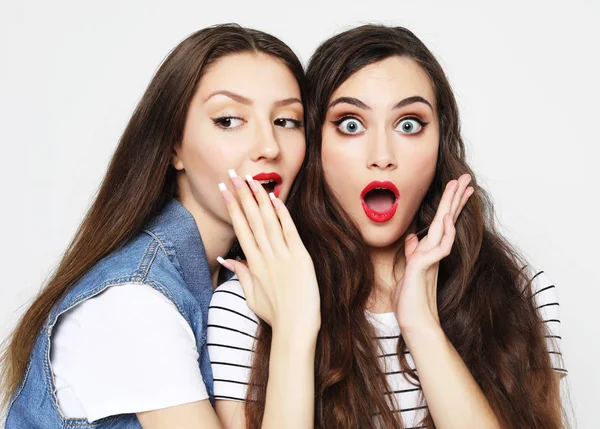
x=127, y=264
x=543, y=290
x=547, y=305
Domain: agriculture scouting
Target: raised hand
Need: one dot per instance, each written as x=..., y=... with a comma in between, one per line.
x=415, y=297
x=279, y=279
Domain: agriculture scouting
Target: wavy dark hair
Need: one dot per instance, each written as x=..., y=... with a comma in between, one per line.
x=484, y=296
x=140, y=179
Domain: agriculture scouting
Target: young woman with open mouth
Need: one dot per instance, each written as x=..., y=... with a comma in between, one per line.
x=117, y=339
x=429, y=318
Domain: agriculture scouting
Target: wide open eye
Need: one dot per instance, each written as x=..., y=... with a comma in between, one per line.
x=350, y=126
x=410, y=126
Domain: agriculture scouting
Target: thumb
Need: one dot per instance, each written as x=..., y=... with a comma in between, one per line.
x=240, y=269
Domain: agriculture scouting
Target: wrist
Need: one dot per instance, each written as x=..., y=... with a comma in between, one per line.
x=426, y=332
x=302, y=330
x=423, y=321
x=294, y=342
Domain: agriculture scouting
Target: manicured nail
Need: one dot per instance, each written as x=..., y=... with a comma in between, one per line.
x=276, y=203
x=225, y=193
x=251, y=182
x=225, y=263
x=237, y=182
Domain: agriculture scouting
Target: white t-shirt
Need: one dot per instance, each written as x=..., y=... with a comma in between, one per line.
x=126, y=350
x=232, y=329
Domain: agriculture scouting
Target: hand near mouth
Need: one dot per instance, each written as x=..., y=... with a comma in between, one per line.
x=279, y=280
x=415, y=298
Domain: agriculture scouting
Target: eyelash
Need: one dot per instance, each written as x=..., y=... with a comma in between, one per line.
x=219, y=122
x=337, y=122
x=298, y=123
x=414, y=118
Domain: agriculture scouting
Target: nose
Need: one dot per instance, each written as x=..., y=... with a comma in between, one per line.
x=266, y=146
x=381, y=154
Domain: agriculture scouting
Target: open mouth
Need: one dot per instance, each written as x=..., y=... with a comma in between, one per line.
x=271, y=182
x=380, y=200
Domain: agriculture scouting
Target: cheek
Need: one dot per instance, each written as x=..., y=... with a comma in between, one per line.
x=333, y=161
x=293, y=150
x=424, y=168
x=418, y=175
x=210, y=152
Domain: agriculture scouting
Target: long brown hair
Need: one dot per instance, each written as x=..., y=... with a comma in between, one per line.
x=140, y=178
x=484, y=300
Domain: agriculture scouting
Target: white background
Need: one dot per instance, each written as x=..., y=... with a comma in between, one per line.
x=526, y=76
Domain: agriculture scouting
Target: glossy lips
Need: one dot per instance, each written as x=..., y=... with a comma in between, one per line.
x=376, y=214
x=270, y=181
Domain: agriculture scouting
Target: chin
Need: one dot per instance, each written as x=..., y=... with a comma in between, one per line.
x=381, y=236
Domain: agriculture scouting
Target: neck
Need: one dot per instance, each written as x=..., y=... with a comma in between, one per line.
x=217, y=235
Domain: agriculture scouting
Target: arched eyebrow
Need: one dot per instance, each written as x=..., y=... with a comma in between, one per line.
x=235, y=97
x=361, y=105
x=287, y=102
x=245, y=100
x=349, y=100
x=412, y=100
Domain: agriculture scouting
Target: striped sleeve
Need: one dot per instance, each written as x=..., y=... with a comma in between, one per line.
x=231, y=333
x=548, y=307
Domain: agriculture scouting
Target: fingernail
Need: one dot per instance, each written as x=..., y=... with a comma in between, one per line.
x=276, y=203
x=225, y=263
x=251, y=182
x=237, y=182
x=224, y=192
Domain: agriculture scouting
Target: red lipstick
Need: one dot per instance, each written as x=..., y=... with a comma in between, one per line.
x=376, y=214
x=270, y=181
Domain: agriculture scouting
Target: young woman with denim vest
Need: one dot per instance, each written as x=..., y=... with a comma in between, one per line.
x=117, y=338
x=428, y=318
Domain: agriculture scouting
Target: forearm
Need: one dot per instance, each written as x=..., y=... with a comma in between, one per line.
x=290, y=397
x=453, y=396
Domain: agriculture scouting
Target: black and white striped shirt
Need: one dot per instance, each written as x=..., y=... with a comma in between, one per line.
x=232, y=329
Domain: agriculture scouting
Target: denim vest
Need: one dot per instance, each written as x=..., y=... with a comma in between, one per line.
x=169, y=256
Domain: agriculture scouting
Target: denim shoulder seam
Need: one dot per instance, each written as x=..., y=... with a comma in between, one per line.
x=146, y=262
x=158, y=240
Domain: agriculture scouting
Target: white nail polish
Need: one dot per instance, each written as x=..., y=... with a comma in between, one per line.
x=222, y=187
x=225, y=263
x=232, y=173
x=249, y=178
x=272, y=195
